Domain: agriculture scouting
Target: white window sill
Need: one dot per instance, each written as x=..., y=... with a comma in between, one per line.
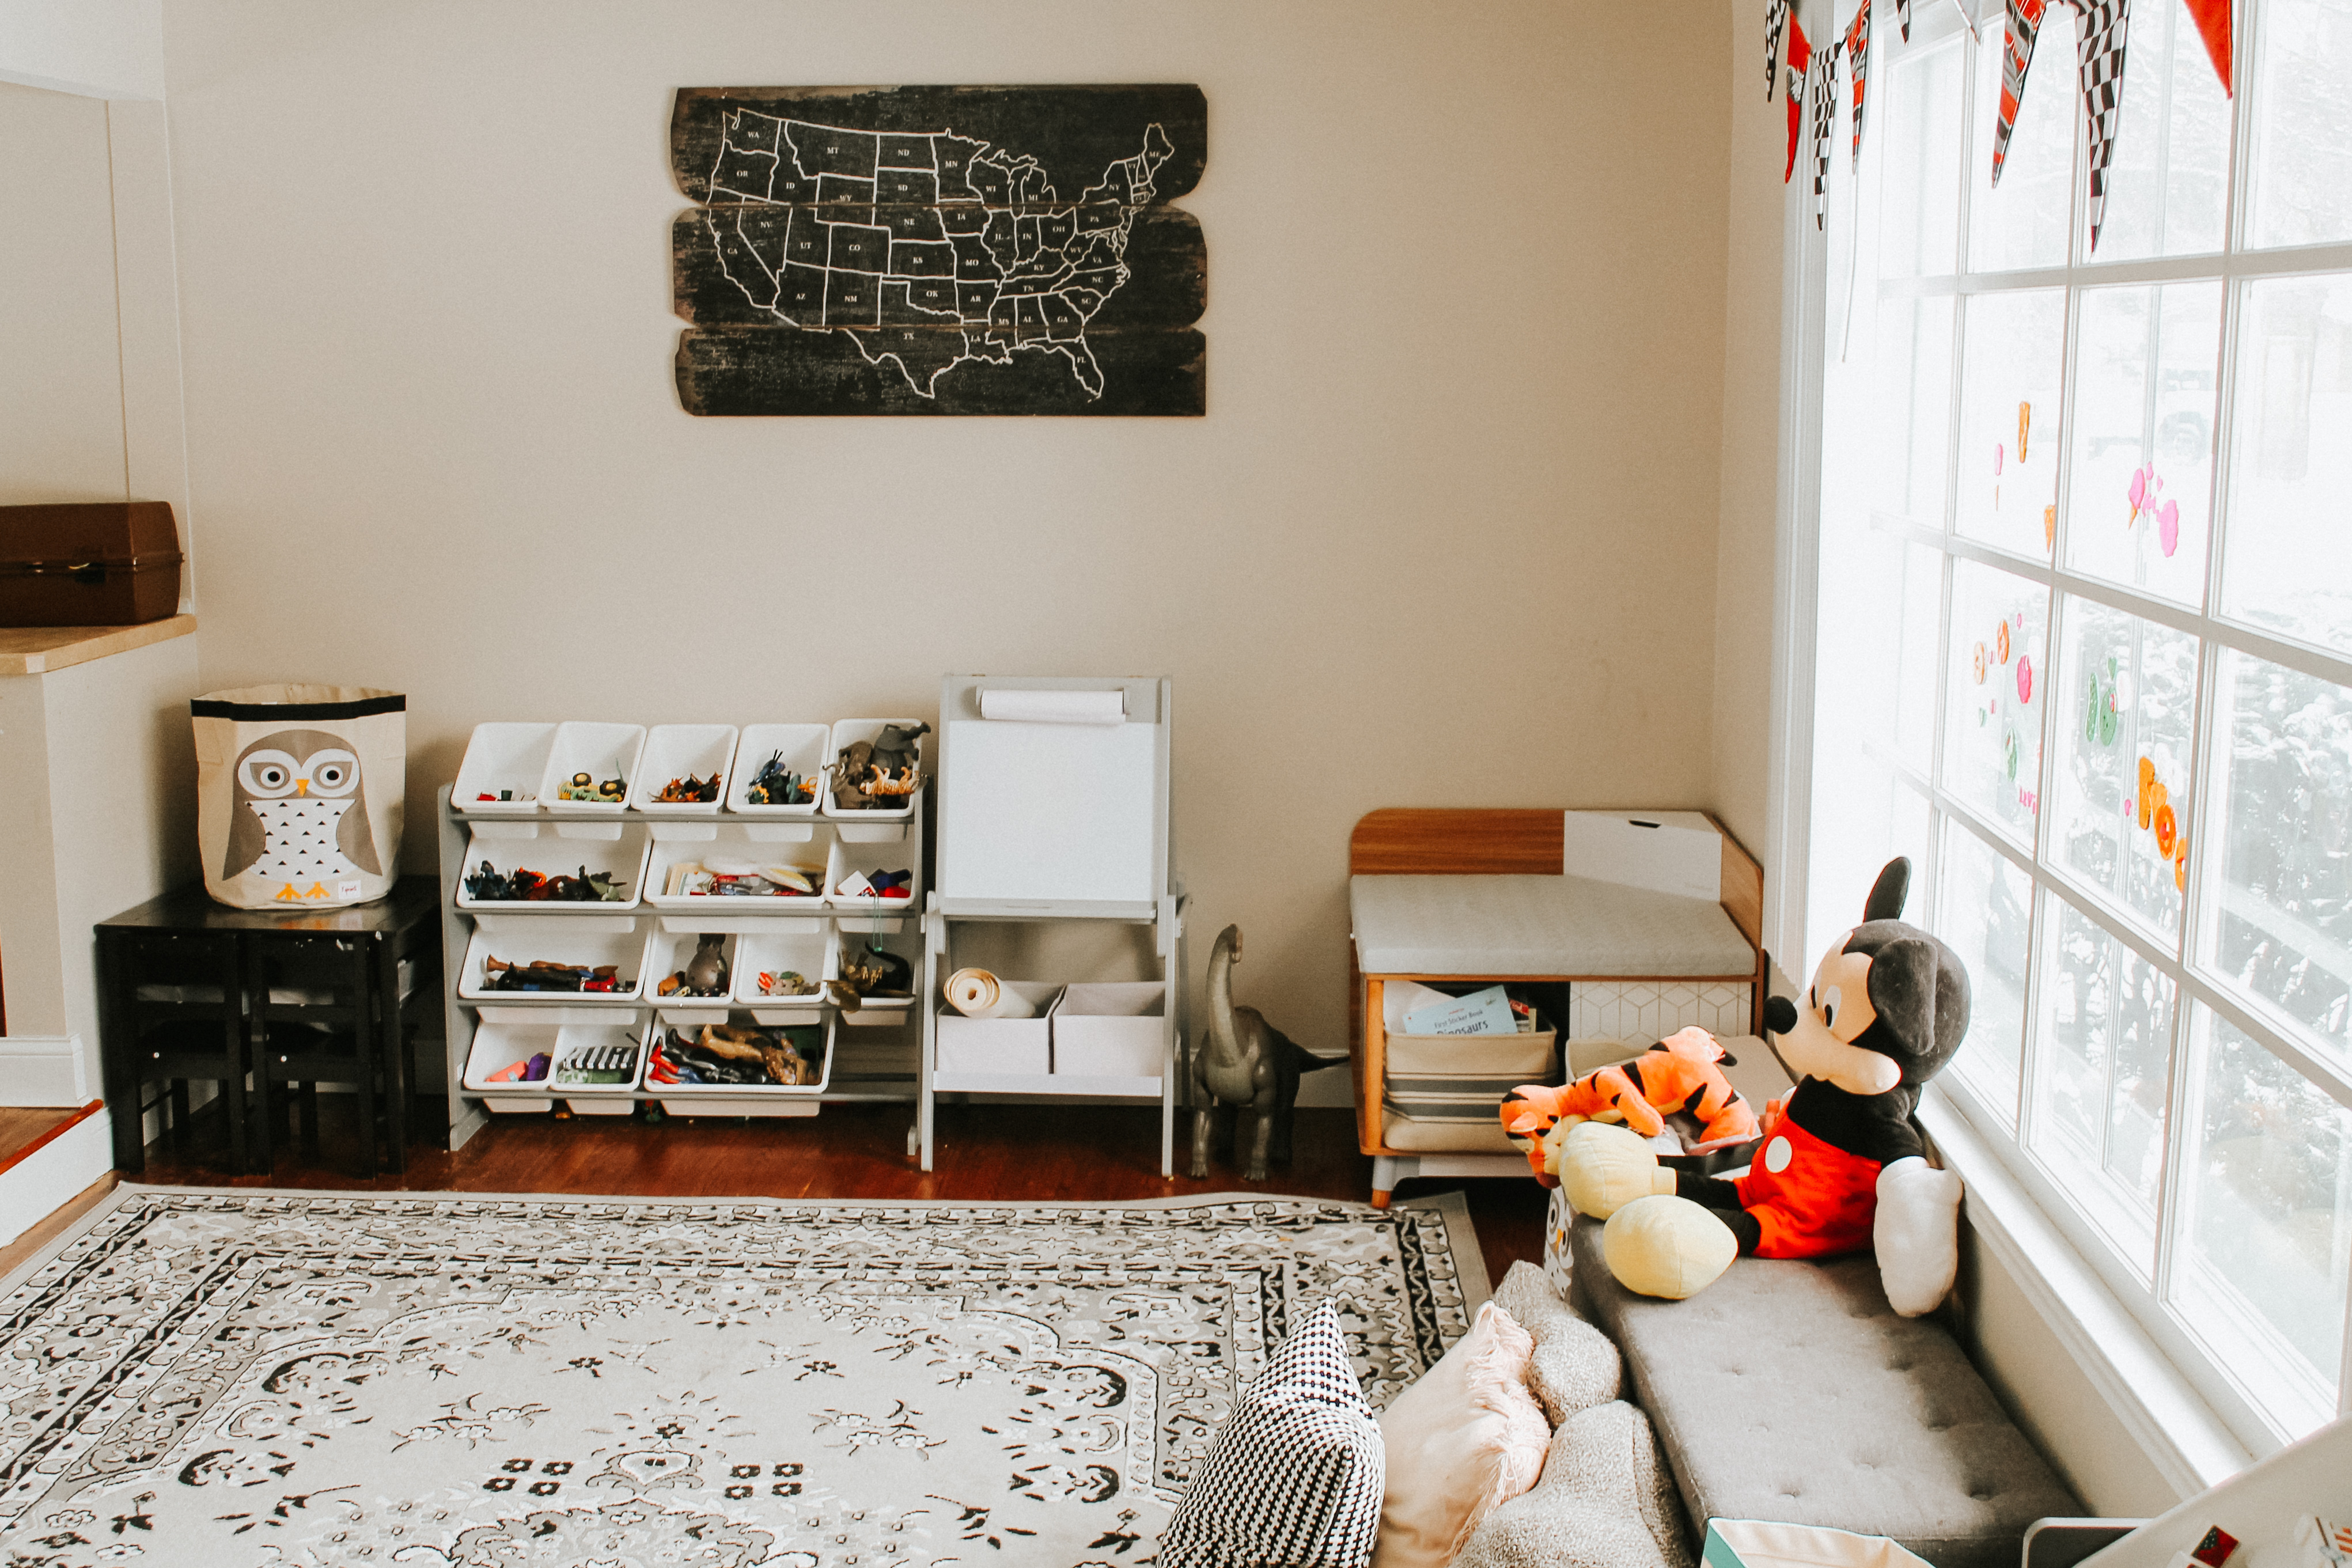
x=2189, y=1445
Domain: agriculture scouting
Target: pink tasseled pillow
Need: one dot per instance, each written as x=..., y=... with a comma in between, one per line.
x=1466, y=1436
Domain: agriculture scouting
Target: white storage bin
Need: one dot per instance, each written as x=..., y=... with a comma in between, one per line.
x=673, y=752
x=668, y=952
x=515, y=940
x=502, y=758
x=737, y=1098
x=809, y=954
x=1111, y=1030
x=731, y=844
x=849, y=732
x=501, y=1046
x=862, y=859
x=801, y=747
x=602, y=751
x=1000, y=1047
x=876, y=1012
x=623, y=856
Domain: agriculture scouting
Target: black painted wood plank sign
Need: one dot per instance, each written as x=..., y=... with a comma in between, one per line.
x=940, y=249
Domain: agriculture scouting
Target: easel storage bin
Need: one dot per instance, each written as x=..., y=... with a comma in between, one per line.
x=1111, y=1031
x=1000, y=1045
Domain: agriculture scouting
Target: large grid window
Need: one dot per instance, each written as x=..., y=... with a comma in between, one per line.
x=2085, y=650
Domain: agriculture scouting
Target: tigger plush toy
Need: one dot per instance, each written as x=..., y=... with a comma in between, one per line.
x=1842, y=1166
x=1683, y=1072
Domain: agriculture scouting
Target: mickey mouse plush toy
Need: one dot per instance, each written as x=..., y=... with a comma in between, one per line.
x=1842, y=1164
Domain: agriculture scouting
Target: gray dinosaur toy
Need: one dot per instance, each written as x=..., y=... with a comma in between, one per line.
x=1245, y=1061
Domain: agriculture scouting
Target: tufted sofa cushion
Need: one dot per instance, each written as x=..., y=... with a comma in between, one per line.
x=1790, y=1391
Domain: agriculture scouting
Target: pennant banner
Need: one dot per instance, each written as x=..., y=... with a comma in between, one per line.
x=1857, y=54
x=2212, y=19
x=2099, y=49
x=1776, y=20
x=1824, y=123
x=1800, y=56
x=1903, y=17
x=2016, y=56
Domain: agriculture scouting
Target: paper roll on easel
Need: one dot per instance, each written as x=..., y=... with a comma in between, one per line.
x=1028, y=707
x=977, y=994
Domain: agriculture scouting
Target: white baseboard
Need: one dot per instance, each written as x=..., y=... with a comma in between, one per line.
x=51, y=1176
x=42, y=1070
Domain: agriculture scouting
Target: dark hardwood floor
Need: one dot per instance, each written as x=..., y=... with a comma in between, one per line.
x=1057, y=1153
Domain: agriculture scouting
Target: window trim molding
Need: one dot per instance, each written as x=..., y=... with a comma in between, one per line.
x=2188, y=1442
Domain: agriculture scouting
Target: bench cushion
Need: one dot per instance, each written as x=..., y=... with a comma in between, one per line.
x=1538, y=925
x=1790, y=1391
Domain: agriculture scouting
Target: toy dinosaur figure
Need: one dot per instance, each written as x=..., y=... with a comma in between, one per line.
x=1245, y=1060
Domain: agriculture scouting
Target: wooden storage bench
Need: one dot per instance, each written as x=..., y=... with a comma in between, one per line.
x=1444, y=896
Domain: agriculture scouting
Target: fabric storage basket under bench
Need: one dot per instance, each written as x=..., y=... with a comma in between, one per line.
x=1439, y=1091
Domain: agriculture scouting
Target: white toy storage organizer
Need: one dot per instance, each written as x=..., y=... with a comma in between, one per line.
x=1054, y=806
x=649, y=934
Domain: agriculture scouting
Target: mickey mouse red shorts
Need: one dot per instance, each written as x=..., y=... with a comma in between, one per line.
x=1810, y=1198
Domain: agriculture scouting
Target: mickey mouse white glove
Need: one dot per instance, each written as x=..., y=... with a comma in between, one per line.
x=1918, y=1233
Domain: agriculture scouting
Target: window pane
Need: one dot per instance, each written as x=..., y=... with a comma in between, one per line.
x=2008, y=419
x=2288, y=564
x=2129, y=690
x=1992, y=702
x=1981, y=912
x=2102, y=1068
x=2303, y=124
x=2263, y=1257
x=2168, y=188
x=1920, y=222
x=1912, y=452
x=2138, y=502
x=2285, y=931
x=2022, y=222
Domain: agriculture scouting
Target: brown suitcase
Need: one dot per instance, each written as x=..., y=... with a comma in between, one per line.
x=104, y=564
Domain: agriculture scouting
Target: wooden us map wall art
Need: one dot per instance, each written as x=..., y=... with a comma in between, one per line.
x=940, y=249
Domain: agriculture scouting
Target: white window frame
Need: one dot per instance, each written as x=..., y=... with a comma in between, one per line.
x=2194, y=1423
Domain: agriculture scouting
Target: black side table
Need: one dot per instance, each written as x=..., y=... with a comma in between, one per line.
x=208, y=974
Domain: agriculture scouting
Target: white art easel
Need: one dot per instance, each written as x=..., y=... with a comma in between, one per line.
x=1053, y=821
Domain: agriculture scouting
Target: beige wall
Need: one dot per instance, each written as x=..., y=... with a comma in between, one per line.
x=1441, y=537
x=1753, y=205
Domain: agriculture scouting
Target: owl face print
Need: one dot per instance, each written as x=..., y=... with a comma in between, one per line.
x=299, y=817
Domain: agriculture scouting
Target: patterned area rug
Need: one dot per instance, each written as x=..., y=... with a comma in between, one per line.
x=257, y=1377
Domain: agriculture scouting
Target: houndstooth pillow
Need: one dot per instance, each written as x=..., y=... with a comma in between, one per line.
x=1294, y=1478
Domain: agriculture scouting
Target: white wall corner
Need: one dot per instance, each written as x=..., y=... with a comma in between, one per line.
x=96, y=48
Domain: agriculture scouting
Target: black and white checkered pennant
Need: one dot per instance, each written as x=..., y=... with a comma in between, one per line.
x=1295, y=1475
x=1903, y=17
x=2099, y=47
x=1824, y=123
x=1776, y=21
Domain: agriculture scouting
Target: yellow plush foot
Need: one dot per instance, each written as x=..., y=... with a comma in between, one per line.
x=1667, y=1246
x=1603, y=1167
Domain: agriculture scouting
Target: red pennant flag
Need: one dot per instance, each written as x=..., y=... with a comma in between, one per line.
x=1800, y=58
x=2212, y=19
x=1857, y=52
x=2016, y=58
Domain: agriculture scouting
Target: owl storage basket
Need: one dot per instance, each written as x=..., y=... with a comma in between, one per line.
x=299, y=793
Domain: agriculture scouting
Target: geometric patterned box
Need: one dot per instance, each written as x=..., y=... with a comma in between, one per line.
x=1646, y=1010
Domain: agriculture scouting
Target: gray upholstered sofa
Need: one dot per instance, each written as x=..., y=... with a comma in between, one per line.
x=1792, y=1390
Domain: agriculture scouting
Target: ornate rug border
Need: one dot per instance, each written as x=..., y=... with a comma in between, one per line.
x=1461, y=1235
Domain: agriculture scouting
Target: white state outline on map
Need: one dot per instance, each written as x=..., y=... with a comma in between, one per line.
x=1139, y=168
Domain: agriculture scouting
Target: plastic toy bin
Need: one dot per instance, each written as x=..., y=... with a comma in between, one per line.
x=879, y=824
x=670, y=949
x=738, y=1099
x=731, y=845
x=602, y=751
x=498, y=1046
x=1111, y=1030
x=1021, y=1046
x=800, y=747
x=623, y=854
x=810, y=954
x=672, y=752
x=508, y=759
x=589, y=942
